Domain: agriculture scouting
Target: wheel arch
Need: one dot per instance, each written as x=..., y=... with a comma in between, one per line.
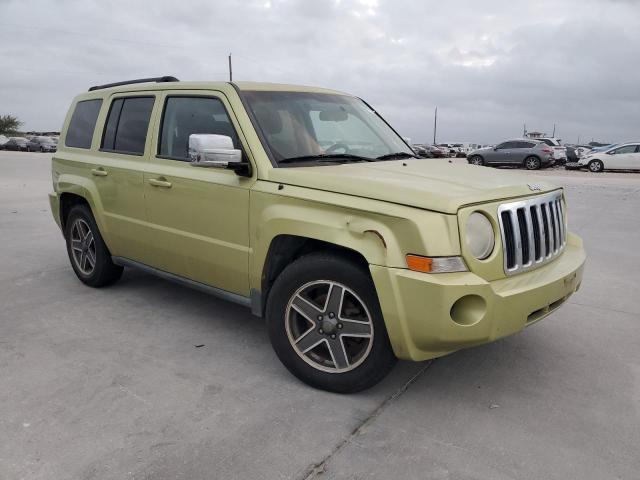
x=75, y=189
x=286, y=248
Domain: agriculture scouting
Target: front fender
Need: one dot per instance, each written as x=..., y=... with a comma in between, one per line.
x=382, y=233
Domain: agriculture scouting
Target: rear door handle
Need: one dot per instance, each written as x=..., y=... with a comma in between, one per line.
x=159, y=182
x=99, y=172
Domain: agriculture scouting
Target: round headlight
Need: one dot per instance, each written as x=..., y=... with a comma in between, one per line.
x=479, y=236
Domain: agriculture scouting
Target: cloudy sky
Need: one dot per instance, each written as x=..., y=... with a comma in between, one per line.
x=488, y=65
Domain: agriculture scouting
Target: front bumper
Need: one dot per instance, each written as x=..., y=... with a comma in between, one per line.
x=430, y=315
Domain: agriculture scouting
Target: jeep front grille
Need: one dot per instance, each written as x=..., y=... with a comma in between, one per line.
x=533, y=231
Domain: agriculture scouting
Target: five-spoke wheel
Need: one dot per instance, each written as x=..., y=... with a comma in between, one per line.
x=83, y=246
x=89, y=256
x=326, y=326
x=329, y=326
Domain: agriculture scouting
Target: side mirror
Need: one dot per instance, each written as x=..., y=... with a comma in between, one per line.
x=495, y=149
x=213, y=151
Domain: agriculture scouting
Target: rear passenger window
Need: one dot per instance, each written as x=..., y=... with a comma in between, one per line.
x=184, y=116
x=127, y=125
x=83, y=122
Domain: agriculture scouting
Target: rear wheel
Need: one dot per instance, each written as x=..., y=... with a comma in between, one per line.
x=89, y=256
x=532, y=163
x=476, y=160
x=326, y=326
x=596, y=166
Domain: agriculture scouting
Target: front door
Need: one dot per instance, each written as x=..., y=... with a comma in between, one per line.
x=621, y=158
x=199, y=217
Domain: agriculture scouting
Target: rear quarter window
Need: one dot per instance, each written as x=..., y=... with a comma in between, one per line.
x=82, y=124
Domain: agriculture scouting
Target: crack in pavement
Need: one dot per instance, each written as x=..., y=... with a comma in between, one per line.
x=319, y=468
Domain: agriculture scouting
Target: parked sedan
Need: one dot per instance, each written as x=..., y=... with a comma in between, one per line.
x=16, y=143
x=41, y=144
x=624, y=156
x=3, y=140
x=527, y=153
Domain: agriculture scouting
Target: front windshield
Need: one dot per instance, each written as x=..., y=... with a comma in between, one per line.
x=304, y=125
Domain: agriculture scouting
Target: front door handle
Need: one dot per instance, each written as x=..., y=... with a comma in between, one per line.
x=159, y=182
x=99, y=172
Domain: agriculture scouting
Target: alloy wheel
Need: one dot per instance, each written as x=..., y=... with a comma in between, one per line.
x=83, y=246
x=532, y=163
x=329, y=326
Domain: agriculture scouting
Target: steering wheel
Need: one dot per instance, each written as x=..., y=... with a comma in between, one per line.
x=338, y=146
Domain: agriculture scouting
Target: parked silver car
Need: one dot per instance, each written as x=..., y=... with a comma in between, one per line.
x=527, y=153
x=41, y=144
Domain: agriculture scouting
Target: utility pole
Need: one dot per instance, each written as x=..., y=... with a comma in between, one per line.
x=230, y=69
x=435, y=125
x=553, y=135
x=524, y=130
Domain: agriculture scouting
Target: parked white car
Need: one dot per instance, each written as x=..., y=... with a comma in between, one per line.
x=559, y=152
x=624, y=156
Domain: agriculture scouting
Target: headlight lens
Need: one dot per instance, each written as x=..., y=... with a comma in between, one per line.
x=479, y=236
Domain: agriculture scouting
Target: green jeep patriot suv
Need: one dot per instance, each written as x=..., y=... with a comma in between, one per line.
x=306, y=206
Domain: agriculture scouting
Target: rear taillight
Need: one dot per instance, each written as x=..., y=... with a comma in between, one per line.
x=547, y=150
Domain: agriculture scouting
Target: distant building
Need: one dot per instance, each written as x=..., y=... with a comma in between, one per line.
x=535, y=134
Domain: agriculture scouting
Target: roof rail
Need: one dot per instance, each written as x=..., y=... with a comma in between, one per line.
x=139, y=80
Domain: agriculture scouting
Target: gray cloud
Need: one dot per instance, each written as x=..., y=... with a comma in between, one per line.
x=488, y=66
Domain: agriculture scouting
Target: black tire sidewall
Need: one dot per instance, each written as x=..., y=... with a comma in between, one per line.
x=329, y=267
x=105, y=272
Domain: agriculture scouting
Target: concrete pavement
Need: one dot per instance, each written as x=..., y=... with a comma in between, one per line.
x=109, y=383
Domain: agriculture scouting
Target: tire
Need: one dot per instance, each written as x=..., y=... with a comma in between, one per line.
x=334, y=353
x=86, y=246
x=596, y=166
x=476, y=160
x=532, y=163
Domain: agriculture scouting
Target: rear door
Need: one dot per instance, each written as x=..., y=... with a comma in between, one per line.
x=199, y=216
x=117, y=170
x=507, y=153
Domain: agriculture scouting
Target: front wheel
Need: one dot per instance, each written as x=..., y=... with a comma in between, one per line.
x=476, y=160
x=532, y=163
x=596, y=166
x=326, y=326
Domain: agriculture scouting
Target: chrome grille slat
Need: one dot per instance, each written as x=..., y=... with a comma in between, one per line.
x=532, y=247
x=532, y=243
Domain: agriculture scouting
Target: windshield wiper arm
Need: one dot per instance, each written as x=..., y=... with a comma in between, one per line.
x=327, y=157
x=391, y=156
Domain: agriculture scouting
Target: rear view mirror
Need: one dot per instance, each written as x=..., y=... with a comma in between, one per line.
x=211, y=150
x=337, y=115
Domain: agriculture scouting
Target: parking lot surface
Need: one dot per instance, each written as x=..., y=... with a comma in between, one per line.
x=109, y=383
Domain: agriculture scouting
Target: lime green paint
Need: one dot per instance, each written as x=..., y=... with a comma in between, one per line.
x=216, y=227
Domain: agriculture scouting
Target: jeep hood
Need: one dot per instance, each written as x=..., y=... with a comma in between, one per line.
x=429, y=184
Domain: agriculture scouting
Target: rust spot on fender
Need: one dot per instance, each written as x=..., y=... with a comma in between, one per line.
x=379, y=235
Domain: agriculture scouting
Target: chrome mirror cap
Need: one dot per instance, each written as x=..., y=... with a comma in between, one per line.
x=213, y=151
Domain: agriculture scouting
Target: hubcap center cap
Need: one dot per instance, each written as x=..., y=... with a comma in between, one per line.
x=329, y=325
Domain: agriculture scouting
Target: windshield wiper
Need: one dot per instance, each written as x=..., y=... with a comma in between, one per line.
x=327, y=157
x=392, y=156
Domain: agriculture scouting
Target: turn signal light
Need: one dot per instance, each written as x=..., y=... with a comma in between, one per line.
x=418, y=263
